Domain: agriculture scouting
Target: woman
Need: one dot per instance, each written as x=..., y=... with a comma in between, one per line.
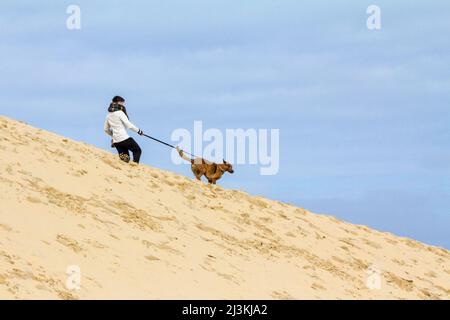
x=116, y=125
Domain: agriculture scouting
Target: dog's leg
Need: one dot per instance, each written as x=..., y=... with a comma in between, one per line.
x=198, y=176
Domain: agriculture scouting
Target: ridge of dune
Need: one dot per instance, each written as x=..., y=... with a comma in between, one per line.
x=145, y=233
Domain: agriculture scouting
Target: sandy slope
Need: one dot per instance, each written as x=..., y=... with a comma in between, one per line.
x=146, y=233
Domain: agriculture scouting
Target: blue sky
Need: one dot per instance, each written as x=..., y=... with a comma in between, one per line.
x=363, y=115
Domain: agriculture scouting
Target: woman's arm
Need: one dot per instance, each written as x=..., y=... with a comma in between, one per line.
x=107, y=128
x=127, y=123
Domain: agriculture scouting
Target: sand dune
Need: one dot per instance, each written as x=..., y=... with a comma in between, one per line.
x=140, y=232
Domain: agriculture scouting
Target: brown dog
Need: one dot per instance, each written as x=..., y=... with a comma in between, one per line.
x=212, y=171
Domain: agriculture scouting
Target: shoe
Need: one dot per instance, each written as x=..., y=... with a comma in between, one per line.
x=124, y=157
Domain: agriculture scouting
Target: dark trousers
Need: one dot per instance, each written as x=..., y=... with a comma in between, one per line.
x=129, y=145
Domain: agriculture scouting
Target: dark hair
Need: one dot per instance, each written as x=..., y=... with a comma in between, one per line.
x=118, y=99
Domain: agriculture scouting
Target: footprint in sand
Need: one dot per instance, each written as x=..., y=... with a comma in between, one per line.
x=33, y=199
x=228, y=277
x=283, y=295
x=111, y=163
x=155, y=186
x=5, y=227
x=402, y=283
x=160, y=246
x=3, y=280
x=96, y=244
x=152, y=258
x=139, y=218
x=318, y=286
x=78, y=173
x=191, y=197
x=69, y=243
x=168, y=182
x=431, y=274
x=399, y=262
x=372, y=244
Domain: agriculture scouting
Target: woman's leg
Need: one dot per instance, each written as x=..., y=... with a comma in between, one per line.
x=137, y=152
x=130, y=145
x=123, y=151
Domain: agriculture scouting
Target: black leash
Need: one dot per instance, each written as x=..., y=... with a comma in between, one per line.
x=169, y=145
x=157, y=140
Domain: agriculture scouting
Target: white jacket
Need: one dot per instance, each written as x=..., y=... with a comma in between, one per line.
x=116, y=125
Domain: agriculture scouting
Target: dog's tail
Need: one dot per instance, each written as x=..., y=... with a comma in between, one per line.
x=192, y=161
x=185, y=157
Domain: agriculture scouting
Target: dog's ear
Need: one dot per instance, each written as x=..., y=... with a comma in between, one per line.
x=224, y=162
